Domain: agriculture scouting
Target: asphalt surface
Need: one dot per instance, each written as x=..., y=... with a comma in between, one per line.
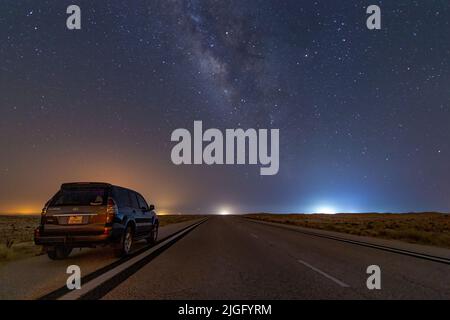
x=233, y=258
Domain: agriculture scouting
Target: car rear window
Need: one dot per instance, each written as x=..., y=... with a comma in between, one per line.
x=80, y=197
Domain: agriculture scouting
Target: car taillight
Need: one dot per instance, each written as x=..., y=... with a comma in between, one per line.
x=43, y=213
x=111, y=210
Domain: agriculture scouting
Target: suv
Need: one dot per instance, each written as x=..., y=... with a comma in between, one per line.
x=87, y=214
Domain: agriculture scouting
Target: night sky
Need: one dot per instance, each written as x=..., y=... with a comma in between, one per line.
x=364, y=116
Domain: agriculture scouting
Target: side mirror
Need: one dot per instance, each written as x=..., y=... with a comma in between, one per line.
x=152, y=207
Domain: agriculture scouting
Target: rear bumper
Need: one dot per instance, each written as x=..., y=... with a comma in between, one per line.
x=72, y=240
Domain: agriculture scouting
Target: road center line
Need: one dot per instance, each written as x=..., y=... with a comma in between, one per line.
x=326, y=275
x=254, y=235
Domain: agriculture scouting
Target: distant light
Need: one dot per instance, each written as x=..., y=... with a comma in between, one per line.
x=224, y=212
x=326, y=210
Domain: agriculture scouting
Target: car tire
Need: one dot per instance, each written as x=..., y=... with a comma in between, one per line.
x=153, y=235
x=125, y=244
x=59, y=252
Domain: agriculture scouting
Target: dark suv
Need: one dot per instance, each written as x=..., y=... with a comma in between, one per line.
x=87, y=214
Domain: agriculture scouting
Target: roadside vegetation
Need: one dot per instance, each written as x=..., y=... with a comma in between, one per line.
x=422, y=228
x=16, y=237
x=17, y=232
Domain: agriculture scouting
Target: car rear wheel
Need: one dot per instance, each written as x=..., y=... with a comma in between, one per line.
x=59, y=252
x=126, y=242
x=153, y=235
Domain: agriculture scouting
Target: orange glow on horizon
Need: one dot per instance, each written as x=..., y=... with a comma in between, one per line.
x=23, y=210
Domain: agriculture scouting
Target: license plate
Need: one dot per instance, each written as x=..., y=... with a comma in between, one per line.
x=75, y=220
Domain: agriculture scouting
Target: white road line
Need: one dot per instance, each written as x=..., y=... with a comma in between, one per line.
x=254, y=235
x=326, y=275
x=90, y=285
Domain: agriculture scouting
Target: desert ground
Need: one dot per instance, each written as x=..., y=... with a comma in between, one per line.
x=422, y=228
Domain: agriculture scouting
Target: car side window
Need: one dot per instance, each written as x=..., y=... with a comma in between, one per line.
x=134, y=201
x=122, y=197
x=142, y=203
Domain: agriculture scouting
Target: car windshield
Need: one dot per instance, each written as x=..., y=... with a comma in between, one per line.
x=80, y=197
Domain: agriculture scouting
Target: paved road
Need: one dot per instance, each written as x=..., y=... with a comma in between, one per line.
x=233, y=258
